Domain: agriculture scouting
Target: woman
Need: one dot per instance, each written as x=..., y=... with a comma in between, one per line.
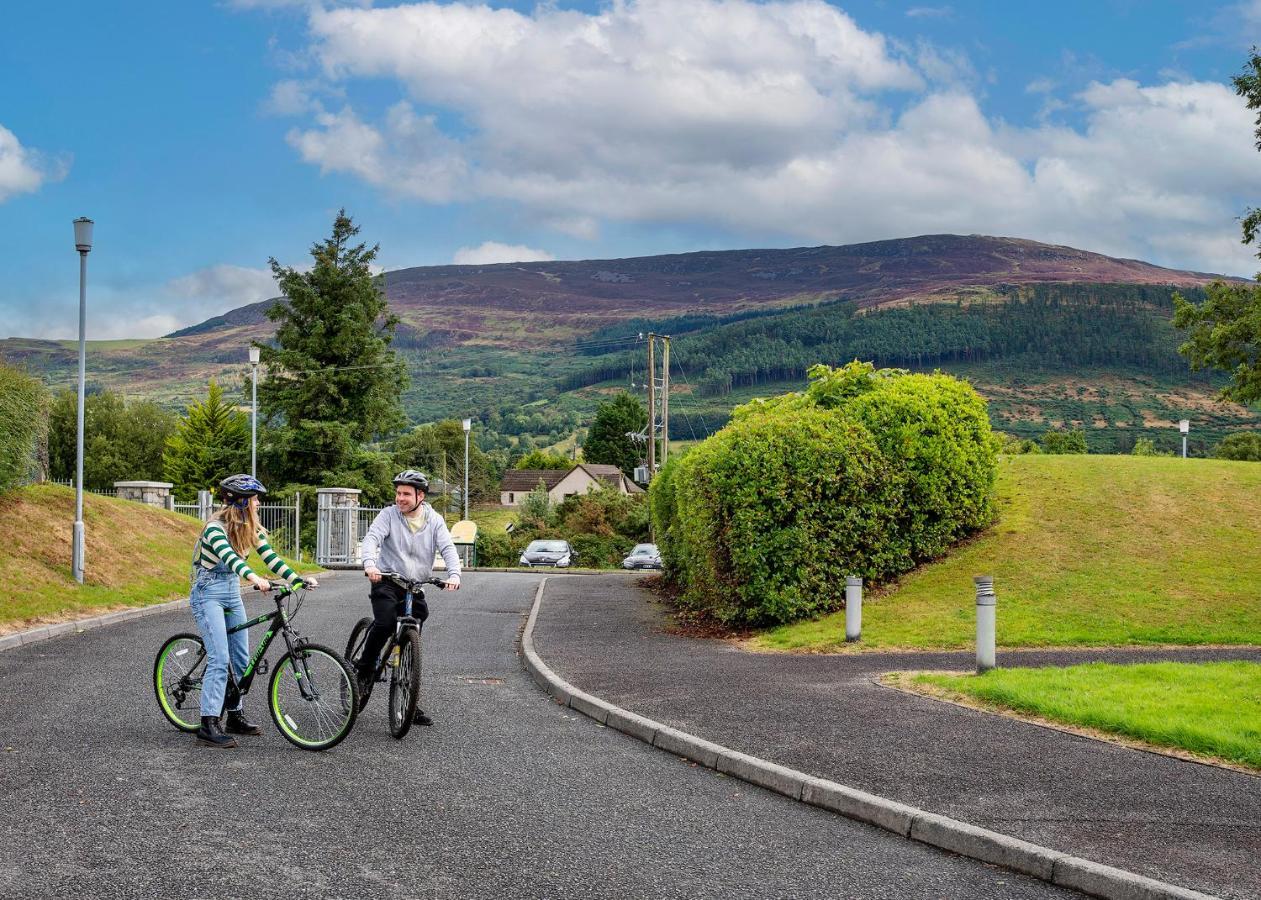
x=215, y=596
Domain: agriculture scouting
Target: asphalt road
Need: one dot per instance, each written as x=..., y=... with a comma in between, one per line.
x=508, y=795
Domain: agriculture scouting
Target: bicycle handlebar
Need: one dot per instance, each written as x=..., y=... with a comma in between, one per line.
x=409, y=584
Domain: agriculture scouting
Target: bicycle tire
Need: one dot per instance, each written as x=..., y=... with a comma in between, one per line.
x=405, y=683
x=354, y=644
x=176, y=683
x=323, y=722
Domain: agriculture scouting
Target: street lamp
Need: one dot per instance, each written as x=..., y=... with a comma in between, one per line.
x=468, y=426
x=1184, y=426
x=254, y=354
x=82, y=243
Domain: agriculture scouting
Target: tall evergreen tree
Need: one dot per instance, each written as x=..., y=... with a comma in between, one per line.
x=333, y=382
x=209, y=443
x=607, y=441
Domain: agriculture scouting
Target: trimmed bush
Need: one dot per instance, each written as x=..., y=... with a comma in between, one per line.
x=23, y=425
x=865, y=473
x=1063, y=442
x=1242, y=445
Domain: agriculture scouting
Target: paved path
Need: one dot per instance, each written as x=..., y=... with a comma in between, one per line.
x=1189, y=824
x=508, y=795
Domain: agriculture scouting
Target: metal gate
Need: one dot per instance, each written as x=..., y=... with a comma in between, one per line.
x=282, y=521
x=340, y=526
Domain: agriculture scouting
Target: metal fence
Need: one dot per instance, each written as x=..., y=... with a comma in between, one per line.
x=69, y=482
x=283, y=521
x=339, y=532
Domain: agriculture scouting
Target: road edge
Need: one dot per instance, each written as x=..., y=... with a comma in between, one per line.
x=1053, y=866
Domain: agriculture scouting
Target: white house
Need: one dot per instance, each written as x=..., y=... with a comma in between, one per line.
x=581, y=479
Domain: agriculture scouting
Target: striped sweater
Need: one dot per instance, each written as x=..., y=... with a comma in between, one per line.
x=214, y=547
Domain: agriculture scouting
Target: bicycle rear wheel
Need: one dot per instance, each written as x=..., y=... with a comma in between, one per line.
x=177, y=672
x=313, y=697
x=358, y=636
x=405, y=683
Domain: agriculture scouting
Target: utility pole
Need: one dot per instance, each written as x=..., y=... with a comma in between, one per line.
x=652, y=407
x=665, y=399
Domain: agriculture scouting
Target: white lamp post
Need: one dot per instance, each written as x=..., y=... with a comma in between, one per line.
x=468, y=426
x=82, y=243
x=254, y=354
x=1185, y=427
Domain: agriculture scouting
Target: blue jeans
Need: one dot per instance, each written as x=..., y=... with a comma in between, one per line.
x=216, y=602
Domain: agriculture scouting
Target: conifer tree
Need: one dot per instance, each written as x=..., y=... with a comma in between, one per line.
x=209, y=443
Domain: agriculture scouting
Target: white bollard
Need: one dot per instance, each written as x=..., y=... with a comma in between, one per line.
x=985, y=608
x=853, y=608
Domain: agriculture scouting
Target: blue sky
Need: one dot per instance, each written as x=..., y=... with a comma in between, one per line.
x=204, y=138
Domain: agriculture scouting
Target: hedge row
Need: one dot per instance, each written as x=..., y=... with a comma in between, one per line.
x=866, y=473
x=23, y=425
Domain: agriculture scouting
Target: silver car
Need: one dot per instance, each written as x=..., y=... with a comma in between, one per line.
x=548, y=553
x=644, y=556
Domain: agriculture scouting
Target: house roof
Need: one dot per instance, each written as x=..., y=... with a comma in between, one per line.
x=526, y=480
x=611, y=473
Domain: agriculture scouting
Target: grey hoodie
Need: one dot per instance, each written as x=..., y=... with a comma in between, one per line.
x=392, y=547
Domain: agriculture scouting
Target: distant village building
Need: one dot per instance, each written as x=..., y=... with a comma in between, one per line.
x=581, y=479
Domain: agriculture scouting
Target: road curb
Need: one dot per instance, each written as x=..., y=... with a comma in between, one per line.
x=1053, y=866
x=46, y=632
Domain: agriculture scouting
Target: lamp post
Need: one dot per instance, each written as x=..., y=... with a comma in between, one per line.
x=1184, y=426
x=82, y=243
x=254, y=354
x=468, y=426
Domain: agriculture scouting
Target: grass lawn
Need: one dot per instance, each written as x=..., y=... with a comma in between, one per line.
x=1213, y=709
x=135, y=555
x=1088, y=550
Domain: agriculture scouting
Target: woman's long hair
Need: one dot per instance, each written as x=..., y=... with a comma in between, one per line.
x=242, y=526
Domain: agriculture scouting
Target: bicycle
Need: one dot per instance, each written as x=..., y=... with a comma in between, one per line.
x=401, y=655
x=313, y=696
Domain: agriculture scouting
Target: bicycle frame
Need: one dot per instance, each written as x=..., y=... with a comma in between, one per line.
x=406, y=620
x=293, y=641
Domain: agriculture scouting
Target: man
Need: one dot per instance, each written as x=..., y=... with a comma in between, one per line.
x=403, y=538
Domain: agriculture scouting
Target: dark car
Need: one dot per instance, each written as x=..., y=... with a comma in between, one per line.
x=644, y=556
x=548, y=553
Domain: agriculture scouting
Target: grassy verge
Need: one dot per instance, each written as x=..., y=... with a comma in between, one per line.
x=1211, y=709
x=1088, y=550
x=135, y=555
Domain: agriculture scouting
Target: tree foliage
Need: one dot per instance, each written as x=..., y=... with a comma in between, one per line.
x=544, y=459
x=121, y=441
x=210, y=442
x=607, y=442
x=1224, y=332
x=23, y=425
x=1248, y=85
x=332, y=382
x=1062, y=442
x=1243, y=446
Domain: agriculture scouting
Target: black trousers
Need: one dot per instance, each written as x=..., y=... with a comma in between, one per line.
x=387, y=605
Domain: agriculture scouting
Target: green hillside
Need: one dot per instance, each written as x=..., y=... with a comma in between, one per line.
x=1088, y=550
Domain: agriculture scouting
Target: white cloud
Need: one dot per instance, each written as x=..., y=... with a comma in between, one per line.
x=217, y=289
x=770, y=118
x=930, y=12
x=23, y=170
x=492, y=252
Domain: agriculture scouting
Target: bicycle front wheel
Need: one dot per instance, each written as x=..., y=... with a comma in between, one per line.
x=313, y=697
x=405, y=683
x=177, y=673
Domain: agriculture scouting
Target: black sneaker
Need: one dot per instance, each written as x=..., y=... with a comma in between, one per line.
x=421, y=719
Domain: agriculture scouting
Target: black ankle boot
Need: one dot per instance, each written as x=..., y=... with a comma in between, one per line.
x=210, y=733
x=238, y=724
x=421, y=719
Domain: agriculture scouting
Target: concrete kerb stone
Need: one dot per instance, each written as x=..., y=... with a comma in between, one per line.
x=45, y=632
x=939, y=831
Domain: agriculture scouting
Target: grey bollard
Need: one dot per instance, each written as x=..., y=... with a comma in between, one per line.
x=985, y=608
x=853, y=608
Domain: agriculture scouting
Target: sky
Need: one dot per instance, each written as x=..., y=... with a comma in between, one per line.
x=206, y=138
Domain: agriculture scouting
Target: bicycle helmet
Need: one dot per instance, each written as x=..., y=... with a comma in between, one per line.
x=238, y=489
x=413, y=478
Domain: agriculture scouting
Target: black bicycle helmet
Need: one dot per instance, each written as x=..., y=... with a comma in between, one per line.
x=235, y=487
x=413, y=478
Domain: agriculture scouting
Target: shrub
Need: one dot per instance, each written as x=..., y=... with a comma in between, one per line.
x=865, y=473
x=1062, y=442
x=1242, y=445
x=23, y=425
x=599, y=550
x=1144, y=447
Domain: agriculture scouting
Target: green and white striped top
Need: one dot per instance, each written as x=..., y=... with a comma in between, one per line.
x=214, y=547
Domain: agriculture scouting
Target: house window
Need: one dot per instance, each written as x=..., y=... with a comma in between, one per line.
x=511, y=498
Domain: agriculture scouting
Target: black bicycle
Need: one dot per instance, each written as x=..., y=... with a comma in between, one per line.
x=400, y=657
x=313, y=695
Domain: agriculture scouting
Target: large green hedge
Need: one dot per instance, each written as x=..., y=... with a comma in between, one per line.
x=23, y=424
x=865, y=473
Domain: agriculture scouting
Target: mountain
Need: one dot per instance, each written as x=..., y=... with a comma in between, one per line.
x=497, y=336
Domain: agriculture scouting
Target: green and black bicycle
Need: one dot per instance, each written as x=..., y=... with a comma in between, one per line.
x=400, y=658
x=312, y=695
